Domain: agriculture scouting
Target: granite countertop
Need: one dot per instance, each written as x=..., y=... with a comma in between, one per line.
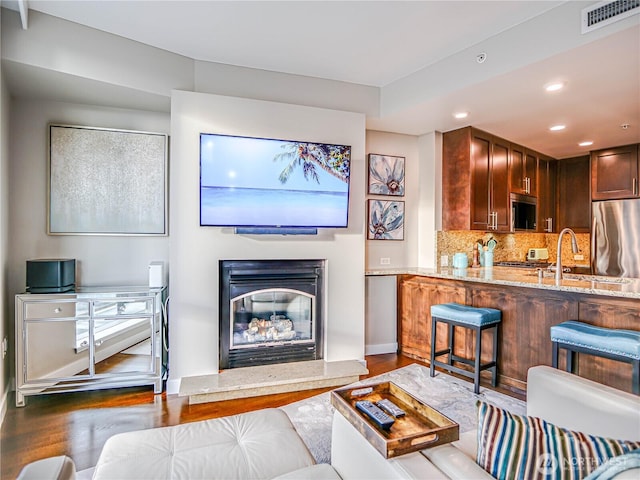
x=528, y=278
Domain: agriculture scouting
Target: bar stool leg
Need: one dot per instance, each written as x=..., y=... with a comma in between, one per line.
x=554, y=358
x=476, y=373
x=451, y=334
x=494, y=379
x=570, y=360
x=432, y=356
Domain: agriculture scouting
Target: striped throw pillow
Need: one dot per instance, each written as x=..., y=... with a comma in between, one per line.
x=519, y=447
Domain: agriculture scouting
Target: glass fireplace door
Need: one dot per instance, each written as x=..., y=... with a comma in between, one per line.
x=271, y=316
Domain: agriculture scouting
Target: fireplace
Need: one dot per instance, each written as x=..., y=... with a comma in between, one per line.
x=270, y=311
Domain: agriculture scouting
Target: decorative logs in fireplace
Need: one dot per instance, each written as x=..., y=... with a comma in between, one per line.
x=270, y=311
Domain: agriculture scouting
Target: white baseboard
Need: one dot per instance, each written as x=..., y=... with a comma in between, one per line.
x=3, y=403
x=173, y=386
x=381, y=348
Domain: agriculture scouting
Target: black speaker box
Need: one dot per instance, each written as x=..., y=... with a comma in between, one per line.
x=51, y=275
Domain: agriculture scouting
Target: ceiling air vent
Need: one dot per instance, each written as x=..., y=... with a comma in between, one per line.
x=605, y=13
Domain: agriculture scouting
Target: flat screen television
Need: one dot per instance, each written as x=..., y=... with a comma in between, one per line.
x=270, y=183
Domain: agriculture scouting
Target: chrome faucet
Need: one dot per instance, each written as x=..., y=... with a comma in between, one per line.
x=574, y=248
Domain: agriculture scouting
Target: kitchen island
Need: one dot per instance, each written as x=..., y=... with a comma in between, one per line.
x=531, y=302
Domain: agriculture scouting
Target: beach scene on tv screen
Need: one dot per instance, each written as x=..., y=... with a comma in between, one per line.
x=264, y=182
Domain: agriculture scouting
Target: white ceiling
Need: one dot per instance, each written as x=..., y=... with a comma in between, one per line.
x=366, y=42
x=380, y=43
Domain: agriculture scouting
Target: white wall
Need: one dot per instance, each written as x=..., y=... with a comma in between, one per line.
x=195, y=250
x=401, y=253
x=100, y=260
x=429, y=198
x=423, y=192
x=5, y=322
x=381, y=314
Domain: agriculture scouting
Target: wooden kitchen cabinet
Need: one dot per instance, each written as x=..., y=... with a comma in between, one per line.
x=523, y=170
x=415, y=297
x=547, y=184
x=527, y=316
x=614, y=173
x=524, y=336
x=574, y=195
x=475, y=181
x=609, y=313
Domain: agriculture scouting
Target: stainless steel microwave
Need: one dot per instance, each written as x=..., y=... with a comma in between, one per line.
x=523, y=212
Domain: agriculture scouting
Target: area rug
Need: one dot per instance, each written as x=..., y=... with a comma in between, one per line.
x=451, y=396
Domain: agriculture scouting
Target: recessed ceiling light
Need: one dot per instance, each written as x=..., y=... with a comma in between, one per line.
x=588, y=143
x=460, y=115
x=557, y=128
x=554, y=87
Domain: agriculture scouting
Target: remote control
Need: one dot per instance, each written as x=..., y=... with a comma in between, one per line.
x=374, y=413
x=390, y=407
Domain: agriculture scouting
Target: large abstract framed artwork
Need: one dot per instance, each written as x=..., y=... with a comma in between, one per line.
x=107, y=182
x=386, y=175
x=386, y=220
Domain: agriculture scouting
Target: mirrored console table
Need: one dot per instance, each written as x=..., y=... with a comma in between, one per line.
x=92, y=338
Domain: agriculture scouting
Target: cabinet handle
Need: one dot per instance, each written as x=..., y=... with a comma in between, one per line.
x=493, y=221
x=635, y=186
x=97, y=343
x=57, y=310
x=549, y=225
x=527, y=185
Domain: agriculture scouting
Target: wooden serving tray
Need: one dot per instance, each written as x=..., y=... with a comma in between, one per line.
x=422, y=426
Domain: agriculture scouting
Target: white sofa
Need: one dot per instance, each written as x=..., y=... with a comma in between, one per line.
x=559, y=397
x=231, y=447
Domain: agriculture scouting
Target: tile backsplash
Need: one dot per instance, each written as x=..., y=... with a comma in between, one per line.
x=512, y=246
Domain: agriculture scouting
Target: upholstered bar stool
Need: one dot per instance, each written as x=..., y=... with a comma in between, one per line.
x=611, y=343
x=473, y=318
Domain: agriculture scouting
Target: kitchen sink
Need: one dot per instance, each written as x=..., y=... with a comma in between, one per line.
x=545, y=274
x=596, y=279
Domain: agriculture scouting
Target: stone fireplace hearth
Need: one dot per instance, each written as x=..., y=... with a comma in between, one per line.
x=269, y=379
x=271, y=311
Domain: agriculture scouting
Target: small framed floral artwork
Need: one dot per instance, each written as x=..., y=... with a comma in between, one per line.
x=386, y=220
x=386, y=175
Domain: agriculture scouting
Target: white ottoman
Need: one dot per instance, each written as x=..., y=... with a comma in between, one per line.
x=255, y=445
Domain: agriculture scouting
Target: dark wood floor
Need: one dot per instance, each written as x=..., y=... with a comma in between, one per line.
x=78, y=424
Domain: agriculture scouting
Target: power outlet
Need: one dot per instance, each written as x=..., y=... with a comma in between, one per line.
x=385, y=261
x=5, y=347
x=444, y=260
x=578, y=256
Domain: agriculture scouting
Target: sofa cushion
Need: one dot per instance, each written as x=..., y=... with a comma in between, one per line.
x=256, y=445
x=517, y=446
x=319, y=471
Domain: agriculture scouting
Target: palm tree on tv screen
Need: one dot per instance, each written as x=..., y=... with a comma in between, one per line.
x=333, y=159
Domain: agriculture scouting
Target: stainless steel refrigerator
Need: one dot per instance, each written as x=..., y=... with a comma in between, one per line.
x=615, y=238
